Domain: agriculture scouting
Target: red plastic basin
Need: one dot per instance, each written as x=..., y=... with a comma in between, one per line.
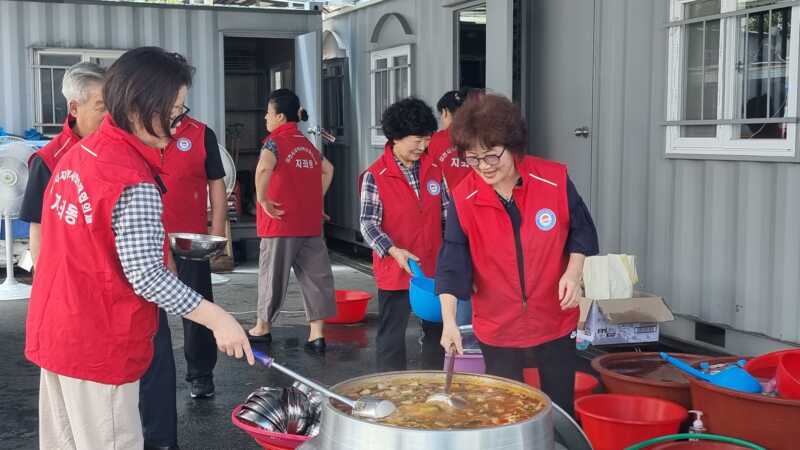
x=585, y=384
x=351, y=306
x=765, y=367
x=616, y=421
x=788, y=376
x=267, y=439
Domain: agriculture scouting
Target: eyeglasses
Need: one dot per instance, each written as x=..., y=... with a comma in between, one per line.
x=177, y=120
x=492, y=160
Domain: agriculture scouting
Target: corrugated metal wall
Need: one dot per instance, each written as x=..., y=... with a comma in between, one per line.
x=193, y=32
x=432, y=76
x=719, y=240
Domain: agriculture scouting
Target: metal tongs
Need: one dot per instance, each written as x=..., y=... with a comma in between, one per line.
x=367, y=407
x=446, y=397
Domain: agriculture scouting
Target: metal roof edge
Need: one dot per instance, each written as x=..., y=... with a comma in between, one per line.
x=223, y=8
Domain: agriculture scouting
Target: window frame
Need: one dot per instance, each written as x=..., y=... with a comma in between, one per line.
x=376, y=138
x=85, y=54
x=724, y=145
x=340, y=130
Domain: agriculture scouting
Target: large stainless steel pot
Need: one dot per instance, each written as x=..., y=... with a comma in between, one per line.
x=341, y=431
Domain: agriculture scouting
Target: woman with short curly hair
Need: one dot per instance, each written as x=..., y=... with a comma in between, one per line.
x=516, y=237
x=401, y=219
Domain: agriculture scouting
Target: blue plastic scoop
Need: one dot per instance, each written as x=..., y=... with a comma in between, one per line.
x=733, y=377
x=422, y=295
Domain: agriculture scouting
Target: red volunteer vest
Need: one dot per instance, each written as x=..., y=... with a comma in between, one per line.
x=58, y=146
x=499, y=316
x=296, y=184
x=446, y=156
x=186, y=199
x=414, y=224
x=84, y=319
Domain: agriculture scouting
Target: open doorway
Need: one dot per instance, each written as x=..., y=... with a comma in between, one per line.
x=253, y=68
x=471, y=39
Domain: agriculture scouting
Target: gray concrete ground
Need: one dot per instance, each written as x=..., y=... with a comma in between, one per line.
x=206, y=424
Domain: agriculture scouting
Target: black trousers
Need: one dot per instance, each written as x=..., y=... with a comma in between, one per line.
x=199, y=345
x=157, y=391
x=394, y=312
x=556, y=361
x=158, y=385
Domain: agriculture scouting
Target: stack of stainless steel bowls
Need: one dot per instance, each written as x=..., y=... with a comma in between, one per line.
x=294, y=410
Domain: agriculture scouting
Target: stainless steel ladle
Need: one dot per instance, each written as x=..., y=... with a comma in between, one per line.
x=367, y=407
x=446, y=397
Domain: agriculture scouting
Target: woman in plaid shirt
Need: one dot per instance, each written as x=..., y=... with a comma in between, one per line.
x=401, y=219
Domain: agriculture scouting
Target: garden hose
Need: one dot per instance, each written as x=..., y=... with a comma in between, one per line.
x=698, y=436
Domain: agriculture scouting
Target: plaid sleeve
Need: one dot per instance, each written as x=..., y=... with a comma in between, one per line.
x=371, y=216
x=139, y=236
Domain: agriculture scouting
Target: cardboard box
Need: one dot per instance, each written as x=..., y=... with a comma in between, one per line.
x=622, y=321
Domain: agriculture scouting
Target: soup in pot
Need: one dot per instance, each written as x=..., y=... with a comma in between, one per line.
x=487, y=405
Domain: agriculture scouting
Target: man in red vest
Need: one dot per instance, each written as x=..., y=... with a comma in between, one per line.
x=192, y=168
x=82, y=87
x=401, y=219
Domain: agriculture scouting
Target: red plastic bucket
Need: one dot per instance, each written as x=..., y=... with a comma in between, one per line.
x=267, y=439
x=351, y=306
x=616, y=421
x=585, y=384
x=788, y=376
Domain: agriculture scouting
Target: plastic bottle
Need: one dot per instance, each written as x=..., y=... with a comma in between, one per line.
x=697, y=424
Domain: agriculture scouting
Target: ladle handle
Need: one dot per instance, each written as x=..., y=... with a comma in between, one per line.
x=415, y=269
x=451, y=363
x=269, y=362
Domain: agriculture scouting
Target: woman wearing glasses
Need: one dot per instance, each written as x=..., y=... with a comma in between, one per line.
x=516, y=237
x=93, y=311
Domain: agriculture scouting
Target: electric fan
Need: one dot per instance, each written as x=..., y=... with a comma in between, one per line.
x=13, y=178
x=230, y=183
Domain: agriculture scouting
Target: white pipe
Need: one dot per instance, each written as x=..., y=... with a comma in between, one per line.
x=10, y=281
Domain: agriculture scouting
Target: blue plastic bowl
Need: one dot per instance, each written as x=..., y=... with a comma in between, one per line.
x=422, y=296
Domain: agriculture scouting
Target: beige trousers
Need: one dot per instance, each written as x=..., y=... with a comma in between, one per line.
x=308, y=257
x=84, y=415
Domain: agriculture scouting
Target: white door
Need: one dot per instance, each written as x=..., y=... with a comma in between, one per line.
x=562, y=72
x=308, y=82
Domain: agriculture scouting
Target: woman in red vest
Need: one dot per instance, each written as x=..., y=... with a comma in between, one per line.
x=441, y=148
x=401, y=219
x=93, y=311
x=516, y=238
x=292, y=178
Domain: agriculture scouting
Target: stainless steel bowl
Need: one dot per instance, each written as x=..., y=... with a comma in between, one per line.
x=254, y=417
x=196, y=247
